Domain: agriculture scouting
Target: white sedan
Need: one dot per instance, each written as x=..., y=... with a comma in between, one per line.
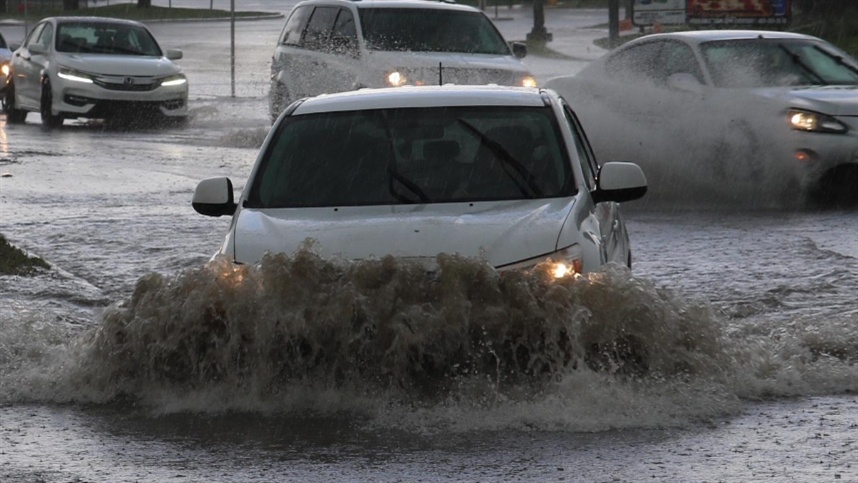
x=501, y=173
x=70, y=67
x=766, y=118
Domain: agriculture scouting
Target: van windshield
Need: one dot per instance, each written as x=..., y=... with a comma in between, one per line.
x=414, y=155
x=430, y=30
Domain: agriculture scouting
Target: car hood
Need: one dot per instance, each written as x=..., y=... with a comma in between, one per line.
x=501, y=232
x=832, y=100
x=457, y=68
x=135, y=65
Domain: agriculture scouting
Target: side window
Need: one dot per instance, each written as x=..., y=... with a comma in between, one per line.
x=344, y=36
x=677, y=58
x=318, y=32
x=295, y=26
x=585, y=154
x=637, y=63
x=34, y=34
x=46, y=36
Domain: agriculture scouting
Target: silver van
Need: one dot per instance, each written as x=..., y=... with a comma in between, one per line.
x=339, y=45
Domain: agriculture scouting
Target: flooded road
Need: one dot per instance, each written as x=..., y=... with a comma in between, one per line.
x=132, y=360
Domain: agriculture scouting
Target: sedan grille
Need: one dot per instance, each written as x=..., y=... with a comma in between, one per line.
x=128, y=83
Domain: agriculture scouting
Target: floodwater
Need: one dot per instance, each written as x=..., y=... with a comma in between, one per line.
x=135, y=359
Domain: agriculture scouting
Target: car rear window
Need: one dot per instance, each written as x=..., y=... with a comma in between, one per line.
x=405, y=156
x=430, y=30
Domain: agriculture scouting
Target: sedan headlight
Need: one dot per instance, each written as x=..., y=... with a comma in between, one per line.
x=174, y=80
x=810, y=121
x=75, y=75
x=563, y=263
x=5, y=69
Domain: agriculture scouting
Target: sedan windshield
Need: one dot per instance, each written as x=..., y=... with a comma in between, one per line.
x=405, y=156
x=430, y=30
x=106, y=38
x=777, y=62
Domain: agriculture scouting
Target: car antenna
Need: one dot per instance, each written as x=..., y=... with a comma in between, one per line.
x=440, y=74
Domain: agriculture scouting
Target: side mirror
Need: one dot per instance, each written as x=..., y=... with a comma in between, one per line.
x=213, y=197
x=519, y=50
x=619, y=182
x=174, y=54
x=684, y=82
x=37, y=49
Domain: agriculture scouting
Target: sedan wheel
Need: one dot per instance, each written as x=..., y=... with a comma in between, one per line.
x=49, y=120
x=13, y=115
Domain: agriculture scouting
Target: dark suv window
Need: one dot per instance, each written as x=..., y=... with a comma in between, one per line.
x=402, y=156
x=295, y=26
x=430, y=30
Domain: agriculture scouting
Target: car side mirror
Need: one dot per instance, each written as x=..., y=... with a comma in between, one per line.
x=174, y=54
x=519, y=50
x=619, y=182
x=37, y=49
x=213, y=197
x=685, y=82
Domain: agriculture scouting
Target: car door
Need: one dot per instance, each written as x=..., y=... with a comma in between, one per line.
x=28, y=67
x=328, y=61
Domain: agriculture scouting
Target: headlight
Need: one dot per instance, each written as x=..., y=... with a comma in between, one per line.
x=567, y=262
x=74, y=75
x=528, y=81
x=395, y=79
x=5, y=69
x=814, y=122
x=174, y=80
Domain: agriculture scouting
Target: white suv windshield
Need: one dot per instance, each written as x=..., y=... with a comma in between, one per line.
x=402, y=156
x=430, y=30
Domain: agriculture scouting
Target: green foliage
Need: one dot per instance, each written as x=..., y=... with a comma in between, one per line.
x=13, y=261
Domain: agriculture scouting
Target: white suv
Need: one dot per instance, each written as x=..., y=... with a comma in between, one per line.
x=501, y=173
x=341, y=45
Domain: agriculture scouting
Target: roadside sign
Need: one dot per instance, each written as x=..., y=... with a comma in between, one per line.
x=663, y=12
x=738, y=12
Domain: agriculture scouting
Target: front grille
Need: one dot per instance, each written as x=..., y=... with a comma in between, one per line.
x=463, y=76
x=128, y=84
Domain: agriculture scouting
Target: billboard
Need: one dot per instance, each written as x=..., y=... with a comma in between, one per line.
x=737, y=12
x=652, y=12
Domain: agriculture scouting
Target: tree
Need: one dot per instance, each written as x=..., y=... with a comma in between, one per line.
x=144, y=3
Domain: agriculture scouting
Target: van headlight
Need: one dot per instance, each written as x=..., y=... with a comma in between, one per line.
x=810, y=121
x=528, y=81
x=73, y=75
x=395, y=79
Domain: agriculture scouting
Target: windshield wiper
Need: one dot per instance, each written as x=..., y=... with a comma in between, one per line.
x=797, y=61
x=529, y=188
x=837, y=59
x=396, y=175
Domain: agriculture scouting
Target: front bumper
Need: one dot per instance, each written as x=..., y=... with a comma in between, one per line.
x=104, y=100
x=819, y=153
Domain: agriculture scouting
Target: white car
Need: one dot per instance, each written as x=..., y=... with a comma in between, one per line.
x=5, y=58
x=92, y=67
x=340, y=45
x=501, y=173
x=767, y=117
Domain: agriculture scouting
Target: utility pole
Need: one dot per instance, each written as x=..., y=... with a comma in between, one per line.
x=539, y=35
x=613, y=23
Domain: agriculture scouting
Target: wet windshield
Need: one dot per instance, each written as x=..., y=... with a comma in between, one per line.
x=430, y=30
x=777, y=62
x=105, y=38
x=404, y=156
